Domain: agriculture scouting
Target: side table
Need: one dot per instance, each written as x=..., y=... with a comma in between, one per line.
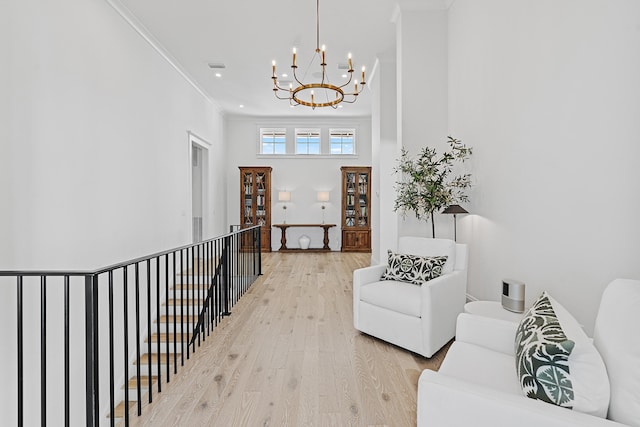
x=491, y=309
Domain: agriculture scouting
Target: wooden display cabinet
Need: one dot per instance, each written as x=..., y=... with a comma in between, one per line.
x=255, y=201
x=356, y=208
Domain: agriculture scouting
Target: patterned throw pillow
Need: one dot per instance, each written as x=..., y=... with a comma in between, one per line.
x=413, y=269
x=542, y=356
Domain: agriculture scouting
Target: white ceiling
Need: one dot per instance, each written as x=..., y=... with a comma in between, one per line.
x=246, y=35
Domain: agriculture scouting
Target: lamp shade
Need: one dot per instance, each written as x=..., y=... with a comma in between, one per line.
x=455, y=209
x=323, y=196
x=284, y=196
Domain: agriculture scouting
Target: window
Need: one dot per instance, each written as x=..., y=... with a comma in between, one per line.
x=273, y=141
x=307, y=141
x=342, y=141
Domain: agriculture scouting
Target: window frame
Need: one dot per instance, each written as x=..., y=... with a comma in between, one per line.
x=311, y=132
x=273, y=132
x=352, y=131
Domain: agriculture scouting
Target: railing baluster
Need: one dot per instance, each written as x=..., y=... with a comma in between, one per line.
x=43, y=350
x=234, y=275
x=181, y=308
x=192, y=288
x=201, y=266
x=158, y=321
x=150, y=385
x=126, y=343
x=112, y=386
x=20, y=354
x=175, y=317
x=91, y=343
x=220, y=284
x=166, y=317
x=210, y=270
x=259, y=252
x=137, y=285
x=66, y=351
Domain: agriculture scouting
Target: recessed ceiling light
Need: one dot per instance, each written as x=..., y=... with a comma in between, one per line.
x=218, y=75
x=241, y=105
x=285, y=75
x=340, y=106
x=344, y=76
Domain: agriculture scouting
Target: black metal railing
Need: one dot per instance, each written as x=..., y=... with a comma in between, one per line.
x=72, y=348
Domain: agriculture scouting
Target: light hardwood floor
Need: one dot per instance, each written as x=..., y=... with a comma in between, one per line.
x=289, y=356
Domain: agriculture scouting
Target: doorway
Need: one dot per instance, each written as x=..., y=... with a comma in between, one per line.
x=197, y=193
x=199, y=159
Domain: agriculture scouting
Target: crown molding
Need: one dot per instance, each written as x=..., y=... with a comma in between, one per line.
x=139, y=27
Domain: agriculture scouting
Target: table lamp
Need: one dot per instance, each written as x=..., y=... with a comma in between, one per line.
x=323, y=196
x=284, y=196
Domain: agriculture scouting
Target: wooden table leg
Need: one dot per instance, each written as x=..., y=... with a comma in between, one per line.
x=326, y=237
x=283, y=239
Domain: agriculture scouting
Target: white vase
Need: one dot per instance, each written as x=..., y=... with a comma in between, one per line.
x=304, y=241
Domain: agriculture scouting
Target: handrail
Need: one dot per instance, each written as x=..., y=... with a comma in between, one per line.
x=114, y=266
x=200, y=280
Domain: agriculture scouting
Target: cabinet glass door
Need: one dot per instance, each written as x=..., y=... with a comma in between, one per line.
x=248, y=199
x=261, y=194
x=363, y=203
x=350, y=206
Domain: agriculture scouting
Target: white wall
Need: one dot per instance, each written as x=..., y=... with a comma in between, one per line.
x=421, y=39
x=547, y=93
x=96, y=153
x=97, y=144
x=303, y=177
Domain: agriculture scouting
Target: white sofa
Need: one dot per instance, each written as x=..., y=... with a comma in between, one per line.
x=477, y=383
x=419, y=318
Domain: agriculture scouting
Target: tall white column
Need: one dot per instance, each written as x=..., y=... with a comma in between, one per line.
x=384, y=151
x=422, y=93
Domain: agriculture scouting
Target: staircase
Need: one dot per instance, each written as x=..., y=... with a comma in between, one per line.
x=170, y=347
x=138, y=319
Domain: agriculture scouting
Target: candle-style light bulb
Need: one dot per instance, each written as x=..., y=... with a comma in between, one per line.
x=312, y=99
x=273, y=67
x=350, y=63
x=363, y=74
x=323, y=52
x=356, y=88
x=294, y=56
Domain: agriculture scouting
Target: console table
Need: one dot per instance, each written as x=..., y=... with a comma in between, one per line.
x=283, y=239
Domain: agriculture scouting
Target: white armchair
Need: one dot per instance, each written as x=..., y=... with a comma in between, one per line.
x=419, y=318
x=477, y=382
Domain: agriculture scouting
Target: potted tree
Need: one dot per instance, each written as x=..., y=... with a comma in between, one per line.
x=426, y=185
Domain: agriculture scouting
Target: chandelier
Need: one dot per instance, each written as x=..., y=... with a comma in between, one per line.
x=317, y=94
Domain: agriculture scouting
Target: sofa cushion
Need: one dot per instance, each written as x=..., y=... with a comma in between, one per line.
x=428, y=247
x=396, y=296
x=412, y=269
x=542, y=356
x=587, y=372
x=482, y=366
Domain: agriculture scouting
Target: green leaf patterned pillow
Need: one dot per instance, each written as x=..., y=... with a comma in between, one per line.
x=412, y=268
x=542, y=356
